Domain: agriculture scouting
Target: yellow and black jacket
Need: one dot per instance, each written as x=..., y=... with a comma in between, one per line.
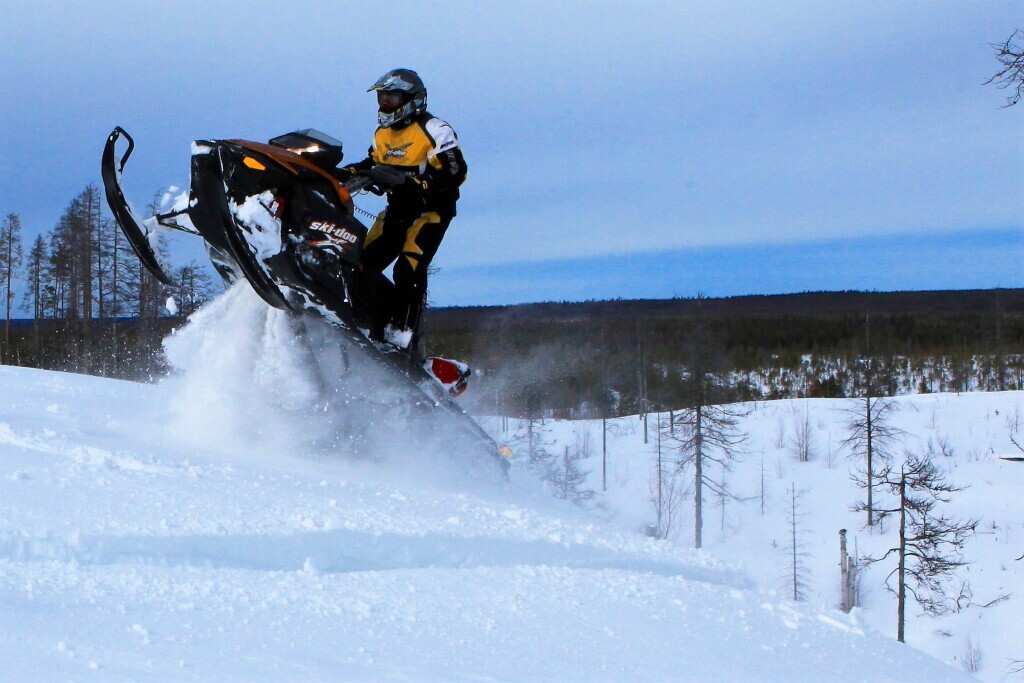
x=428, y=150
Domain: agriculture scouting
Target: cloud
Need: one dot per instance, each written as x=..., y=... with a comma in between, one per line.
x=589, y=128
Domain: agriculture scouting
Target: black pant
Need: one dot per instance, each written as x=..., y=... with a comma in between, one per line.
x=412, y=237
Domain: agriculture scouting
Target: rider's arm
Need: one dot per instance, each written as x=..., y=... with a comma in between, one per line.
x=446, y=167
x=347, y=171
x=450, y=175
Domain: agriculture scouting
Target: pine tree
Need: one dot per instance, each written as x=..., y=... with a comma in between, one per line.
x=930, y=544
x=33, y=297
x=803, y=442
x=10, y=260
x=871, y=438
x=871, y=435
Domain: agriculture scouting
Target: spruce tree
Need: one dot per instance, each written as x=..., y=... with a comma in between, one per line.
x=10, y=260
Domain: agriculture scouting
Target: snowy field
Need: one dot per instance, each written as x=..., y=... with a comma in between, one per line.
x=754, y=532
x=207, y=528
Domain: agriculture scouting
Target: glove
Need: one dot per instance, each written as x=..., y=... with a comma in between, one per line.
x=316, y=258
x=346, y=172
x=387, y=177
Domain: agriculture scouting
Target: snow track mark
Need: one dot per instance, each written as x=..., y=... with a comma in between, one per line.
x=342, y=551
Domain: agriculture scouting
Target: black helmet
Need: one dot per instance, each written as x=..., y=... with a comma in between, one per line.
x=410, y=99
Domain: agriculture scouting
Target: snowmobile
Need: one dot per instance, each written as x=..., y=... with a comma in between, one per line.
x=274, y=214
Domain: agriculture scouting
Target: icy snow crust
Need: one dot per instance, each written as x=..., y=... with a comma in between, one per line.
x=215, y=527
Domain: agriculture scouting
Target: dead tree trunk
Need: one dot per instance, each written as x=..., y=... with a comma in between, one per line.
x=847, y=576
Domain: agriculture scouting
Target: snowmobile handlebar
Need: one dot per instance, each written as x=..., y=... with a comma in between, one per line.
x=357, y=183
x=362, y=182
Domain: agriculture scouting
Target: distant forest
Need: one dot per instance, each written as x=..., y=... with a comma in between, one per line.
x=605, y=358
x=610, y=358
x=95, y=310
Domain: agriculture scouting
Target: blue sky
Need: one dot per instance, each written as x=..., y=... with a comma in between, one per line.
x=610, y=145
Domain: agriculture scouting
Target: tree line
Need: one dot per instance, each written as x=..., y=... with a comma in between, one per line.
x=93, y=307
x=609, y=358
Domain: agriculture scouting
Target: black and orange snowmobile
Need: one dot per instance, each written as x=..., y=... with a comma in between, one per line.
x=274, y=214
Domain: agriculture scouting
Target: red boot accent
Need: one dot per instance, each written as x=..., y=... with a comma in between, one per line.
x=451, y=374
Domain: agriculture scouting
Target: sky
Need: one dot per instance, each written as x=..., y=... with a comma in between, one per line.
x=612, y=143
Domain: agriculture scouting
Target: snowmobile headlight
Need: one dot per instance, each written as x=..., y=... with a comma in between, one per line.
x=253, y=164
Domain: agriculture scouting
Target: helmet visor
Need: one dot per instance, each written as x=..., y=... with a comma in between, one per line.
x=390, y=100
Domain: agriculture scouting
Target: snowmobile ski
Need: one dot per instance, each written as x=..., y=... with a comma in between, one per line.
x=133, y=228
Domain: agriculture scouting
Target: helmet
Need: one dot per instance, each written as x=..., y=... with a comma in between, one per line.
x=408, y=96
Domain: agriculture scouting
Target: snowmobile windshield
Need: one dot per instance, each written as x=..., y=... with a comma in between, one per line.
x=319, y=147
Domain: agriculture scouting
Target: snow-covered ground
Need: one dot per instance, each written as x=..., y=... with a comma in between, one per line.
x=211, y=528
x=968, y=435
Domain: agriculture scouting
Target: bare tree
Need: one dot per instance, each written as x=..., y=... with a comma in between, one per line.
x=972, y=658
x=665, y=486
x=705, y=431
x=1014, y=425
x=799, y=574
x=930, y=547
x=194, y=288
x=534, y=435
x=803, y=442
x=567, y=477
x=1011, y=72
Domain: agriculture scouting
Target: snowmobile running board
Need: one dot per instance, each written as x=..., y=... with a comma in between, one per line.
x=130, y=224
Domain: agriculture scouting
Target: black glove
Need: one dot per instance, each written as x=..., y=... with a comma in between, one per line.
x=387, y=177
x=315, y=257
x=346, y=172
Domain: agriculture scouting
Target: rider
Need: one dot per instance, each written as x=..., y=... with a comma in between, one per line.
x=416, y=158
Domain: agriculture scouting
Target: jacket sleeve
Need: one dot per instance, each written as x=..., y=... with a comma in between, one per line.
x=446, y=167
x=436, y=181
